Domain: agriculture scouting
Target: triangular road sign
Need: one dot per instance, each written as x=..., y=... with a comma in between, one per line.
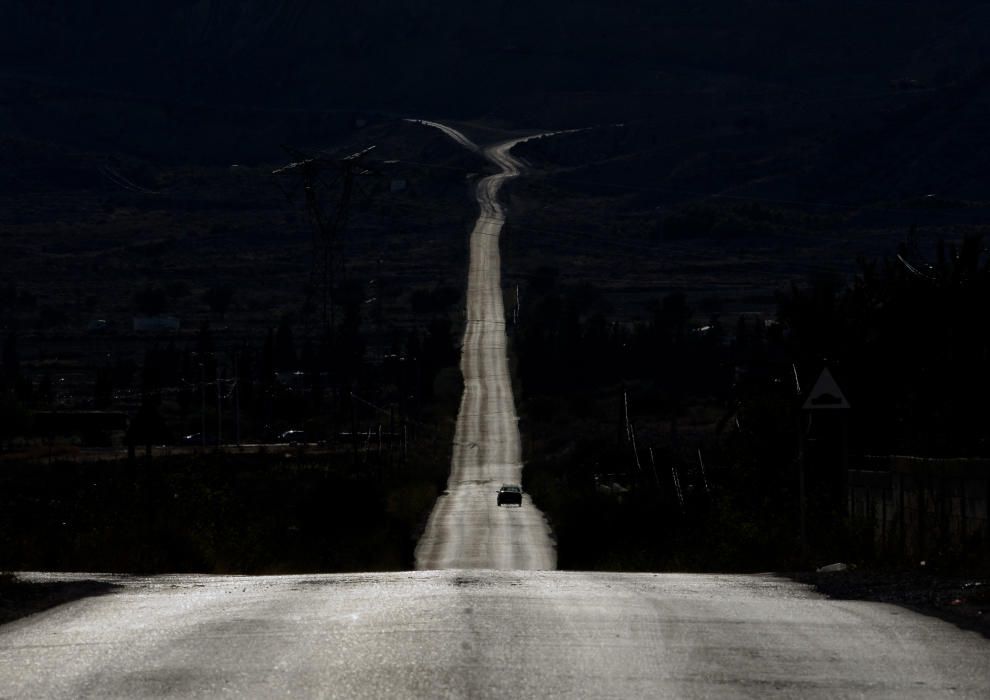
x=826, y=394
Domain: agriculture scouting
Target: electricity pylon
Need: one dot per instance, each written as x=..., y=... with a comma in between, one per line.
x=324, y=179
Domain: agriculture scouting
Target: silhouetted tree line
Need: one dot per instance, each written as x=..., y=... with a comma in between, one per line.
x=216, y=513
x=603, y=407
x=911, y=341
x=291, y=378
x=358, y=505
x=11, y=298
x=281, y=383
x=609, y=408
x=566, y=344
x=16, y=392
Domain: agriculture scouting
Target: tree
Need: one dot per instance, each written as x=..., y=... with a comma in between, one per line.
x=11, y=361
x=46, y=394
x=218, y=299
x=912, y=344
x=103, y=388
x=349, y=346
x=147, y=426
x=151, y=301
x=14, y=417
x=285, y=347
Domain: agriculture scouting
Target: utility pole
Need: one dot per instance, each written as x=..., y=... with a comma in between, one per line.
x=656, y=477
x=219, y=409
x=824, y=398
x=515, y=311
x=802, y=504
x=202, y=399
x=326, y=257
x=391, y=437
x=237, y=404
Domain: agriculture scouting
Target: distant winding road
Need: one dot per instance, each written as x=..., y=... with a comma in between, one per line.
x=466, y=529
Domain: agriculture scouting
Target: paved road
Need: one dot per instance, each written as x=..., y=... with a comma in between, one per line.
x=473, y=634
x=466, y=529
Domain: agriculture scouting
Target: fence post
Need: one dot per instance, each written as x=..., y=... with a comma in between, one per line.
x=883, y=514
x=902, y=515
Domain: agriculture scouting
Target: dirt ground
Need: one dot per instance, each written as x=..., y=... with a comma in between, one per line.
x=962, y=600
x=20, y=598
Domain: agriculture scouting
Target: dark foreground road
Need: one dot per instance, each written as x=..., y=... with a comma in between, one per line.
x=469, y=634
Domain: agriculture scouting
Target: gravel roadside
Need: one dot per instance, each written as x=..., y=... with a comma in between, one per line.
x=19, y=598
x=962, y=600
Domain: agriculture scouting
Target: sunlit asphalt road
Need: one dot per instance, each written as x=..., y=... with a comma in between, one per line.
x=485, y=634
x=466, y=529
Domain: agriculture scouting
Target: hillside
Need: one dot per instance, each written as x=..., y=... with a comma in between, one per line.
x=834, y=121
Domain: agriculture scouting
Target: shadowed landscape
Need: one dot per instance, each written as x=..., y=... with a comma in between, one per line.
x=294, y=288
x=735, y=168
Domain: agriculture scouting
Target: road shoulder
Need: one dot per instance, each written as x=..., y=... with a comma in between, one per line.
x=961, y=600
x=20, y=598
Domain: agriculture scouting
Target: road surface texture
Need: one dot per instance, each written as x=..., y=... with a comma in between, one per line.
x=484, y=634
x=466, y=529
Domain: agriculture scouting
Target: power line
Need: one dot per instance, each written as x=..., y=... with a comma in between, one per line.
x=327, y=260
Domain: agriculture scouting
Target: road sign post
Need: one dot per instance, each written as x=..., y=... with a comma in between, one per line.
x=825, y=395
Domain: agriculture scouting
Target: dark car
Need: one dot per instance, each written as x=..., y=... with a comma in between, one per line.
x=510, y=493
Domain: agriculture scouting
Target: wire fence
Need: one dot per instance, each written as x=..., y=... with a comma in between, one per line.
x=917, y=508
